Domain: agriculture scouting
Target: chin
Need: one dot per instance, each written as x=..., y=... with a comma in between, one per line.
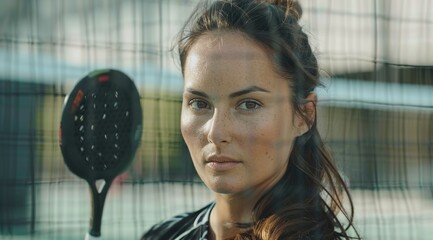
x=224, y=186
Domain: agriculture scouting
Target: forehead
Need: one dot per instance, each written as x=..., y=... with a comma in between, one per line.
x=229, y=55
x=226, y=46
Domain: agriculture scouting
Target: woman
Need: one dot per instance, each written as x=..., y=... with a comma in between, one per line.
x=249, y=121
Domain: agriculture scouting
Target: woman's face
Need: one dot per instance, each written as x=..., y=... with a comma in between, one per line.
x=237, y=118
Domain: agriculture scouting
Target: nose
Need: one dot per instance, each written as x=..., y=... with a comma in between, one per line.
x=219, y=128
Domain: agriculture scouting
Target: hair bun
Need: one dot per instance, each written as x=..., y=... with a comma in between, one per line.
x=290, y=7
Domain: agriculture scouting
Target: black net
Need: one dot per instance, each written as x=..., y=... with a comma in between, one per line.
x=375, y=112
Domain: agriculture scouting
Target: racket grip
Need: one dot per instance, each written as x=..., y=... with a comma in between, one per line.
x=90, y=237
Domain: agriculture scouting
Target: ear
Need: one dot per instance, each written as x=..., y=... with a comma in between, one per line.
x=305, y=121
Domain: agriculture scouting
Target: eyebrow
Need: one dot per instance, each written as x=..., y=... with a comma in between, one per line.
x=232, y=95
x=248, y=90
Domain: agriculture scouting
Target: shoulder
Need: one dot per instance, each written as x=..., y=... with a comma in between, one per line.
x=191, y=225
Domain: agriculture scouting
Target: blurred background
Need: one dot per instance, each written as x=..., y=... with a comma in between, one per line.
x=375, y=112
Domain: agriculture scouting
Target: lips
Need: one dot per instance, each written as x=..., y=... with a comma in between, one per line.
x=221, y=163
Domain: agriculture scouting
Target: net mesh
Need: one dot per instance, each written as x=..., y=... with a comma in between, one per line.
x=375, y=112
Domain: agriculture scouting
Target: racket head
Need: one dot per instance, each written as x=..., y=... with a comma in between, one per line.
x=101, y=125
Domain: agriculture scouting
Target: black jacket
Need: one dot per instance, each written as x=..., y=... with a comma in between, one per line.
x=187, y=226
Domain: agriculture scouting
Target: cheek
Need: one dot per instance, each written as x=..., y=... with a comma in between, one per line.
x=186, y=127
x=191, y=129
x=271, y=138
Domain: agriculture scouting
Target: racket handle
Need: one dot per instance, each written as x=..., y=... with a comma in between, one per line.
x=90, y=237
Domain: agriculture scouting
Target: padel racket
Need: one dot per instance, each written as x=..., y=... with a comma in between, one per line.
x=100, y=131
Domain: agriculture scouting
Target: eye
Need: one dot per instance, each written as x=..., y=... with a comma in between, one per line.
x=249, y=105
x=198, y=104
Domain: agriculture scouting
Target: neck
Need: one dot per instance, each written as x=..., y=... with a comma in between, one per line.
x=231, y=215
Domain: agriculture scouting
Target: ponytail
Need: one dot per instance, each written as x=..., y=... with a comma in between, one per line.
x=291, y=8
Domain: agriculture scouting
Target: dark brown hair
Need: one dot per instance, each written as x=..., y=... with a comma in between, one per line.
x=304, y=204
